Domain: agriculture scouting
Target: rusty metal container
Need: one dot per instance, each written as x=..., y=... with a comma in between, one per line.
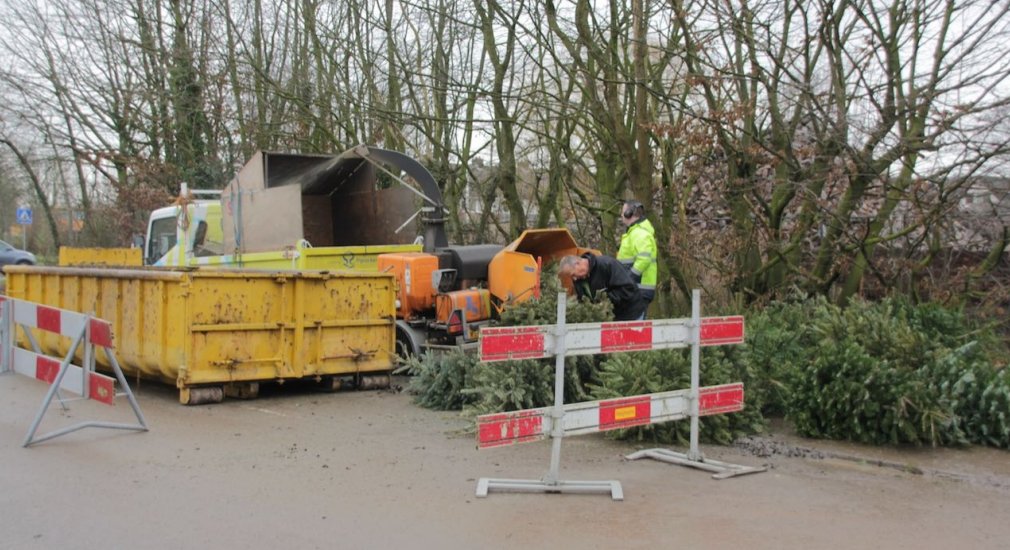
x=221, y=332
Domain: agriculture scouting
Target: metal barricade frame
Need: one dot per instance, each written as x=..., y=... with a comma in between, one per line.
x=534, y=424
x=83, y=329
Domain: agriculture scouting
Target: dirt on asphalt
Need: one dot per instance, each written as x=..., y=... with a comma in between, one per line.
x=299, y=469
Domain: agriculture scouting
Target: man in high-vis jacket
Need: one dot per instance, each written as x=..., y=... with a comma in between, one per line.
x=638, y=249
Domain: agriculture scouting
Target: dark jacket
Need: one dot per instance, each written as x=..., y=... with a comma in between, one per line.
x=606, y=273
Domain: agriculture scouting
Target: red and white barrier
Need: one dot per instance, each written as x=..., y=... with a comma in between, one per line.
x=502, y=429
x=62, y=322
x=61, y=373
x=538, y=342
x=561, y=340
x=42, y=367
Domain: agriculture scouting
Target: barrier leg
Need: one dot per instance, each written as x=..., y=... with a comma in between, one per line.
x=53, y=389
x=141, y=426
x=129, y=393
x=694, y=458
x=86, y=373
x=550, y=482
x=721, y=470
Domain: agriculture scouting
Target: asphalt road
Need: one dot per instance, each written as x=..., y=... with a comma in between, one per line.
x=296, y=469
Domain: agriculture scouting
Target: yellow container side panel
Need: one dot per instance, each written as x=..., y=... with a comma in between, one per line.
x=290, y=326
x=239, y=326
x=350, y=297
x=349, y=324
x=147, y=319
x=102, y=257
x=148, y=325
x=238, y=354
x=224, y=301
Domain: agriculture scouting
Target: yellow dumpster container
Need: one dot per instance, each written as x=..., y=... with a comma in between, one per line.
x=100, y=257
x=221, y=332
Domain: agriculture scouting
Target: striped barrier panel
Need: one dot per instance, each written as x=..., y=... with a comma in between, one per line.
x=69, y=324
x=561, y=420
x=538, y=342
x=42, y=367
x=509, y=428
x=61, y=373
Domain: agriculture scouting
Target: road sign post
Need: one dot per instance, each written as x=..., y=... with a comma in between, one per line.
x=24, y=217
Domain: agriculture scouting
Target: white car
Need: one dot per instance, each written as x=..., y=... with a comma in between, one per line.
x=10, y=255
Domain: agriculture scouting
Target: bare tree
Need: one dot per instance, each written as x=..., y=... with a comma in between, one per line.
x=37, y=187
x=822, y=145
x=491, y=14
x=834, y=118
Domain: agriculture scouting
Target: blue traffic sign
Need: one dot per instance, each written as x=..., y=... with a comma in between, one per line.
x=24, y=215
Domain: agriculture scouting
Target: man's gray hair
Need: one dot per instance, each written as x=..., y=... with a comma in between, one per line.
x=568, y=263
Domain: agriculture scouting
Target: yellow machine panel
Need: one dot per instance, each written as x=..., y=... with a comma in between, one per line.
x=413, y=272
x=329, y=258
x=354, y=258
x=216, y=327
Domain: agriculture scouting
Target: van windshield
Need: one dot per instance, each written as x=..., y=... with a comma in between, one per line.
x=162, y=238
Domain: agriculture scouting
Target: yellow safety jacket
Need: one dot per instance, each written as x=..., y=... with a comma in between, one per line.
x=638, y=253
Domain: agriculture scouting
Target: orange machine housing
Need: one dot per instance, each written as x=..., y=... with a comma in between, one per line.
x=414, y=272
x=514, y=274
x=475, y=305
